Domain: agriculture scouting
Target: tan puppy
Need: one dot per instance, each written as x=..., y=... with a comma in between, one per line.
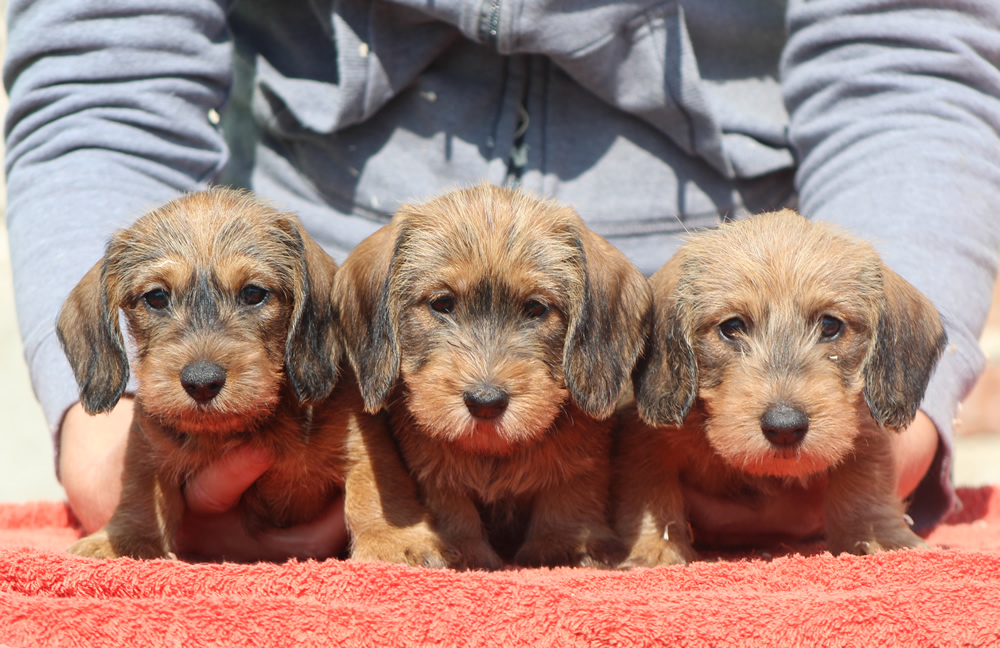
x=782, y=352
x=228, y=302
x=502, y=332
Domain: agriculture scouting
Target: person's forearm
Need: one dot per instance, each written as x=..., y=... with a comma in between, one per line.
x=108, y=117
x=895, y=121
x=92, y=453
x=914, y=450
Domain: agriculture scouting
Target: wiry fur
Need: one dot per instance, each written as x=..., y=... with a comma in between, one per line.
x=544, y=311
x=707, y=395
x=278, y=358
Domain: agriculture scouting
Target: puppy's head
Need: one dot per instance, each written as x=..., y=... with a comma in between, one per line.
x=493, y=307
x=787, y=332
x=222, y=294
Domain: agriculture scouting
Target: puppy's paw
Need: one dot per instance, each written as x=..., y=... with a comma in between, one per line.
x=602, y=550
x=474, y=555
x=95, y=545
x=654, y=551
x=416, y=546
x=104, y=545
x=885, y=539
x=535, y=553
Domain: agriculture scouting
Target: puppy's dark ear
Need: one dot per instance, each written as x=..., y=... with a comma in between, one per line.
x=313, y=348
x=908, y=341
x=608, y=328
x=367, y=314
x=91, y=337
x=666, y=378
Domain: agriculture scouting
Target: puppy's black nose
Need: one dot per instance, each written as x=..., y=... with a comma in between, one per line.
x=203, y=380
x=784, y=426
x=486, y=401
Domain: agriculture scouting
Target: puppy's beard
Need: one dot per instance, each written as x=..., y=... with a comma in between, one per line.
x=745, y=447
x=251, y=394
x=444, y=416
x=736, y=407
x=436, y=399
x=210, y=418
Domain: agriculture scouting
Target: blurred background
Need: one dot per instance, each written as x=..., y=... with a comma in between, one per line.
x=27, y=471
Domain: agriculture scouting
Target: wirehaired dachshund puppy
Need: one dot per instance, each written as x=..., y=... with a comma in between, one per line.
x=499, y=332
x=782, y=352
x=228, y=302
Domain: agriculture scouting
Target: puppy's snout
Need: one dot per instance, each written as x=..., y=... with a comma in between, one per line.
x=203, y=380
x=486, y=401
x=784, y=426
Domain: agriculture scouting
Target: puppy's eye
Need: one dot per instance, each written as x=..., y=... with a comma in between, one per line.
x=444, y=304
x=252, y=295
x=830, y=327
x=732, y=328
x=157, y=299
x=535, y=309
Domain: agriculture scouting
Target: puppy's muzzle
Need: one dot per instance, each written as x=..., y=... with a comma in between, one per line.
x=784, y=426
x=203, y=380
x=486, y=401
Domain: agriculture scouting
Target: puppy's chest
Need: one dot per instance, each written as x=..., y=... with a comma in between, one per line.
x=310, y=462
x=491, y=481
x=307, y=475
x=710, y=474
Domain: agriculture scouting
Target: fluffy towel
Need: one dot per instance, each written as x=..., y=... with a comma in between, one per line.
x=949, y=596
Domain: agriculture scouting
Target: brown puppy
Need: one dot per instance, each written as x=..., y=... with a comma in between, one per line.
x=228, y=302
x=782, y=352
x=502, y=332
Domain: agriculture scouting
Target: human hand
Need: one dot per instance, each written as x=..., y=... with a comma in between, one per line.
x=211, y=528
x=92, y=452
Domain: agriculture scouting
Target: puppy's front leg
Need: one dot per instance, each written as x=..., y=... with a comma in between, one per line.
x=863, y=513
x=460, y=524
x=647, y=497
x=650, y=521
x=146, y=519
x=386, y=519
x=569, y=525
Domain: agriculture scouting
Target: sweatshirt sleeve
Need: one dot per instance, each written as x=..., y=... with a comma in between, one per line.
x=895, y=122
x=109, y=116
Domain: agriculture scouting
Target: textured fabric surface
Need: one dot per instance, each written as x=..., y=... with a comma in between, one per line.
x=799, y=596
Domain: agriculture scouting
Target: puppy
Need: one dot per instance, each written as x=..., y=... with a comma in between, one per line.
x=229, y=304
x=782, y=353
x=499, y=332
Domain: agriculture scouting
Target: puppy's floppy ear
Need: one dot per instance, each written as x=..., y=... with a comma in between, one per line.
x=666, y=378
x=608, y=328
x=908, y=340
x=368, y=316
x=91, y=337
x=313, y=346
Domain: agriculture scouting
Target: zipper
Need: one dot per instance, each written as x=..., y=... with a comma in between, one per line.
x=489, y=23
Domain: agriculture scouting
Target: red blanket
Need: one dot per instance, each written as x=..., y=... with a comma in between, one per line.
x=948, y=596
